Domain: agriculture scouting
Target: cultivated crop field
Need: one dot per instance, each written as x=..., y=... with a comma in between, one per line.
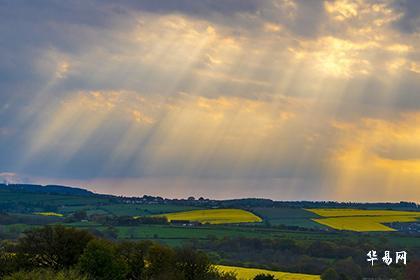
x=288, y=217
x=128, y=209
x=363, y=220
x=49, y=214
x=215, y=216
x=249, y=273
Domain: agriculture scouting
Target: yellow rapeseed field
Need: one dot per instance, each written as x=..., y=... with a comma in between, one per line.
x=215, y=216
x=363, y=220
x=49, y=214
x=249, y=273
x=331, y=212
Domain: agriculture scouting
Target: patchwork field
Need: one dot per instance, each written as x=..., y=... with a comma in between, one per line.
x=128, y=209
x=215, y=216
x=288, y=217
x=363, y=220
x=249, y=273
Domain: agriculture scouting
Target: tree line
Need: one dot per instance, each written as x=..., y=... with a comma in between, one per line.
x=344, y=258
x=58, y=252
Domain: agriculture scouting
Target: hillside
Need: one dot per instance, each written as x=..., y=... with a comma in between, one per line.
x=48, y=189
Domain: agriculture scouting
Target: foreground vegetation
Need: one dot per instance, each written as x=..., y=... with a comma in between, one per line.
x=57, y=252
x=363, y=220
x=66, y=253
x=215, y=216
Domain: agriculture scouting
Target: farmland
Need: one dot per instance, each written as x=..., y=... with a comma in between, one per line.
x=361, y=212
x=178, y=235
x=49, y=214
x=215, y=216
x=249, y=273
x=237, y=234
x=119, y=209
x=293, y=217
x=363, y=220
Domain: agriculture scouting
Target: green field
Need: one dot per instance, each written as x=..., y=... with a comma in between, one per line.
x=215, y=216
x=178, y=235
x=363, y=220
x=249, y=273
x=128, y=209
x=288, y=217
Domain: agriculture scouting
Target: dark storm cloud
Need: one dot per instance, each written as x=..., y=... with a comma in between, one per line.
x=304, y=18
x=410, y=20
x=195, y=8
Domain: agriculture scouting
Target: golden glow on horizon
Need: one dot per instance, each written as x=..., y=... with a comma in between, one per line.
x=379, y=153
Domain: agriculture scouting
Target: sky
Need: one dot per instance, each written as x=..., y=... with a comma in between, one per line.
x=281, y=99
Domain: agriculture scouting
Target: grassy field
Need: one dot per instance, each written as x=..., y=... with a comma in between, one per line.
x=288, y=217
x=363, y=220
x=216, y=216
x=129, y=209
x=249, y=273
x=184, y=234
x=178, y=235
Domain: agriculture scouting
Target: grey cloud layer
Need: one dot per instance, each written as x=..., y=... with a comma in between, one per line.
x=97, y=39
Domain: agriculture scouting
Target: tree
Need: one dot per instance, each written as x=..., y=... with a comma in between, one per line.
x=192, y=264
x=55, y=247
x=110, y=233
x=80, y=215
x=101, y=261
x=161, y=262
x=413, y=270
x=330, y=274
x=263, y=276
x=348, y=268
x=133, y=254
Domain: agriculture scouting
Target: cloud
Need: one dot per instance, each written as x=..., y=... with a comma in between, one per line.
x=232, y=91
x=410, y=21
